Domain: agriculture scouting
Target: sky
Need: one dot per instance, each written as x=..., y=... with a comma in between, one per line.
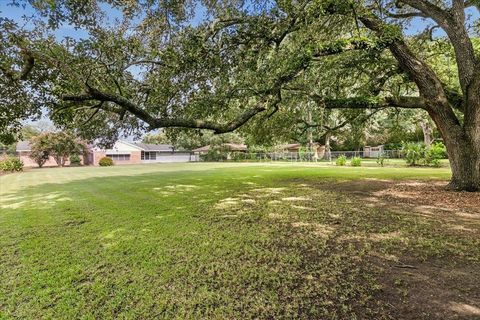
x=16, y=13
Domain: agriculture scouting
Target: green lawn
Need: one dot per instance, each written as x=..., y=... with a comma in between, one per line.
x=216, y=241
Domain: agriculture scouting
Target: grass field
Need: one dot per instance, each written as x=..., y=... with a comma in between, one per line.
x=236, y=241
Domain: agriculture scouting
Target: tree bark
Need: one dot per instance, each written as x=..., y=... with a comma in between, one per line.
x=427, y=132
x=463, y=148
x=328, y=153
x=465, y=164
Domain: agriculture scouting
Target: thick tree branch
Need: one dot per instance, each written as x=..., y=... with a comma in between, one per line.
x=27, y=67
x=429, y=10
x=453, y=22
x=406, y=15
x=373, y=103
x=154, y=123
x=472, y=3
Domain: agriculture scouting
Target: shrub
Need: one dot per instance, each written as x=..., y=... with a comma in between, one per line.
x=238, y=156
x=215, y=154
x=420, y=154
x=381, y=160
x=11, y=164
x=414, y=153
x=75, y=160
x=435, y=153
x=356, y=162
x=105, y=162
x=341, y=161
x=39, y=156
x=59, y=145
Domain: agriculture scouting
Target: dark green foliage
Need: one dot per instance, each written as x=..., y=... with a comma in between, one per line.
x=75, y=160
x=105, y=162
x=216, y=153
x=11, y=164
x=419, y=154
x=435, y=153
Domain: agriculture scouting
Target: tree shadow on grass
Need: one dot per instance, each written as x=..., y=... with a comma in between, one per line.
x=203, y=245
x=438, y=255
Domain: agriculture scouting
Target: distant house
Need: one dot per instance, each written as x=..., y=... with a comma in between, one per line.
x=23, y=150
x=318, y=149
x=373, y=152
x=291, y=147
x=122, y=152
x=233, y=147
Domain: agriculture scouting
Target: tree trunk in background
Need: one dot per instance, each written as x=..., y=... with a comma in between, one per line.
x=427, y=132
x=328, y=154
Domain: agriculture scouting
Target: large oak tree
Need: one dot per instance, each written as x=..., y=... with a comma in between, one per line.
x=246, y=64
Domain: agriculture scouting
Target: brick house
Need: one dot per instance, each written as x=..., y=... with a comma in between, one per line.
x=23, y=150
x=122, y=152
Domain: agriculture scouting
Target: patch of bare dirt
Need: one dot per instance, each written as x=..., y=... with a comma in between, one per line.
x=430, y=288
x=426, y=197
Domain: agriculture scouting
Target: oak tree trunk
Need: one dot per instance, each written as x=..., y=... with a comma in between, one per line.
x=465, y=164
x=463, y=148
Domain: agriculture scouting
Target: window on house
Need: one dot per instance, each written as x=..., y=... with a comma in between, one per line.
x=119, y=157
x=148, y=155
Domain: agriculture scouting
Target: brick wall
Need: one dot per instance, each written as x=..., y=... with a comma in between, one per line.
x=135, y=158
x=29, y=162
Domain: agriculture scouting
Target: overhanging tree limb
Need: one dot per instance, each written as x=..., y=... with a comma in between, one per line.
x=27, y=67
x=453, y=22
x=154, y=122
x=372, y=103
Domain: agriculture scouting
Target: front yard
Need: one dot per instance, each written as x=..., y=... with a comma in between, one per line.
x=237, y=241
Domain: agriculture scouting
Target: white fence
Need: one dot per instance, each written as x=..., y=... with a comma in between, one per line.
x=294, y=156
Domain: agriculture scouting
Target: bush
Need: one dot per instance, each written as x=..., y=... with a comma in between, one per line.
x=341, y=161
x=105, y=162
x=39, y=156
x=11, y=164
x=75, y=160
x=215, y=154
x=414, y=153
x=356, y=162
x=420, y=154
x=435, y=153
x=238, y=156
x=381, y=160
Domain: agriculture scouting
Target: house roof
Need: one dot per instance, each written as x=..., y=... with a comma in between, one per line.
x=23, y=146
x=229, y=146
x=295, y=146
x=290, y=146
x=154, y=147
x=202, y=149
